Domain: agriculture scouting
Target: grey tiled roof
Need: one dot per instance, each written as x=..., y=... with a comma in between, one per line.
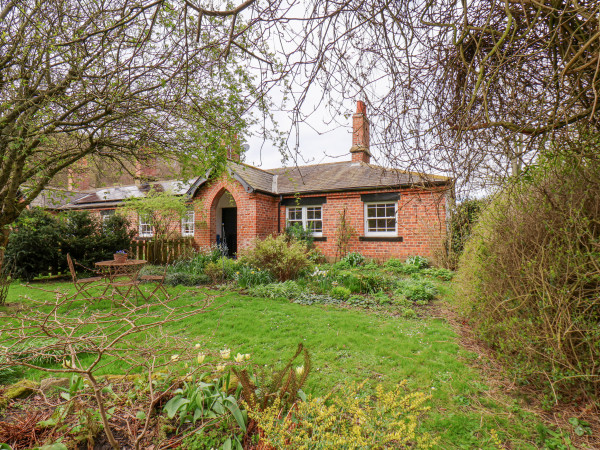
x=330, y=177
x=346, y=175
x=120, y=193
x=56, y=198
x=258, y=179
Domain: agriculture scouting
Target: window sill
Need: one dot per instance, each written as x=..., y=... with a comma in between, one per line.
x=319, y=238
x=381, y=238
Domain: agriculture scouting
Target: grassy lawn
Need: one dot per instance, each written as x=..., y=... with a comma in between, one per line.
x=358, y=344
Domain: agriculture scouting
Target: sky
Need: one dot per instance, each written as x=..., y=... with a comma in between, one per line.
x=319, y=141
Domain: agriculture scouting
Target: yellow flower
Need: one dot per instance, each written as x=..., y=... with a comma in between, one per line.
x=237, y=273
x=252, y=271
x=220, y=367
x=174, y=357
x=197, y=346
x=247, y=356
x=299, y=371
x=225, y=353
x=239, y=358
x=201, y=357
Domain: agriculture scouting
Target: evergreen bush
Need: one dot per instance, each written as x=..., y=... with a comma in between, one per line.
x=40, y=241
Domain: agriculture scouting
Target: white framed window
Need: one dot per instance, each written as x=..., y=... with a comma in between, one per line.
x=106, y=214
x=381, y=219
x=145, y=226
x=187, y=223
x=310, y=217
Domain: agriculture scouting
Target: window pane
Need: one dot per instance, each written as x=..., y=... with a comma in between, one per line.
x=381, y=218
x=295, y=214
x=316, y=226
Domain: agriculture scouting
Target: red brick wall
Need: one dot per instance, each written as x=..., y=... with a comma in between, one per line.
x=421, y=219
x=421, y=224
x=256, y=213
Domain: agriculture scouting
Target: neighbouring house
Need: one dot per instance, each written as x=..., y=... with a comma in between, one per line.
x=387, y=212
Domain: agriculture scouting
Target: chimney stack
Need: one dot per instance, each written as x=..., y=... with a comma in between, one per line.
x=360, y=134
x=146, y=170
x=79, y=176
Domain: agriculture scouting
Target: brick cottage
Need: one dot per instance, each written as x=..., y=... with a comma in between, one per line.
x=389, y=213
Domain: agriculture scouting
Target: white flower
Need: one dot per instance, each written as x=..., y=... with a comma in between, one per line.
x=247, y=356
x=299, y=371
x=220, y=367
x=225, y=353
x=201, y=357
x=239, y=358
x=174, y=357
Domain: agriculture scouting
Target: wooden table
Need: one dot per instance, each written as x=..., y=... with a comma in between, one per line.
x=128, y=268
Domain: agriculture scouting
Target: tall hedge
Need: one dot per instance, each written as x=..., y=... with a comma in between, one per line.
x=40, y=240
x=529, y=278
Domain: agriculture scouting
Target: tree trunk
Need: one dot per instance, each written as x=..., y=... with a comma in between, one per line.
x=4, y=233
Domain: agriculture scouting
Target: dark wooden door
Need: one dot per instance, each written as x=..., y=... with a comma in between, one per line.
x=230, y=230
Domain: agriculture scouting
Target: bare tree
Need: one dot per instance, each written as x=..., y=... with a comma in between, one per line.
x=121, y=80
x=471, y=89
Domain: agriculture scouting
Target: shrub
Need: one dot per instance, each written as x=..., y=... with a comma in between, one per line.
x=249, y=276
x=354, y=259
x=340, y=292
x=418, y=261
x=529, y=280
x=387, y=420
x=285, y=259
x=416, y=289
x=296, y=232
x=463, y=218
x=395, y=265
x=198, y=261
x=222, y=269
x=88, y=240
x=442, y=274
x=288, y=289
x=186, y=279
x=40, y=241
x=342, y=265
x=34, y=244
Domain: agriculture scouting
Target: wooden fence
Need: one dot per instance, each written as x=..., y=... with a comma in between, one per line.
x=161, y=252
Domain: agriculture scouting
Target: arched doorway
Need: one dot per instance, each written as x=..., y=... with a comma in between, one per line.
x=226, y=223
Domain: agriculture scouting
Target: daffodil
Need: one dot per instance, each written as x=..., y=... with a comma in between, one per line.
x=201, y=357
x=197, y=346
x=225, y=353
x=299, y=371
x=239, y=358
x=174, y=357
x=247, y=356
x=220, y=367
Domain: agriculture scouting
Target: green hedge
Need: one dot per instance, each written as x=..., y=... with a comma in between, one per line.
x=40, y=241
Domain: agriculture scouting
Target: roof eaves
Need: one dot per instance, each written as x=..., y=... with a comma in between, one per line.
x=198, y=183
x=367, y=188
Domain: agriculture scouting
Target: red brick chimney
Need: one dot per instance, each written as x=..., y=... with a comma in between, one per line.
x=79, y=177
x=360, y=134
x=146, y=170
